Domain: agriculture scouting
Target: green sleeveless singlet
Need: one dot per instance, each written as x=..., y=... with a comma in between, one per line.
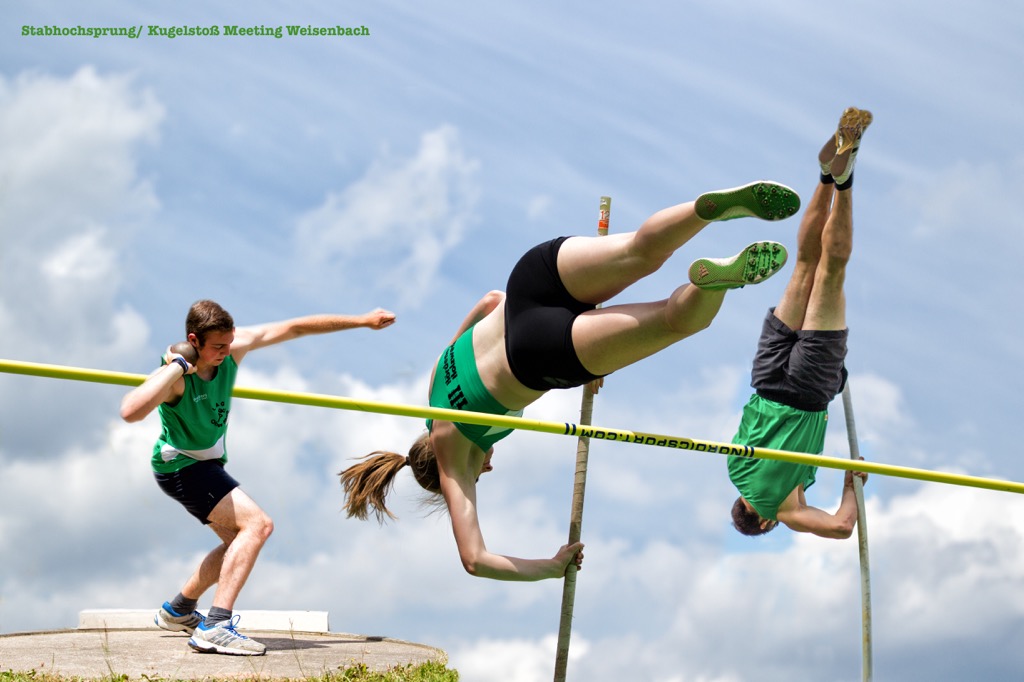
x=195, y=428
x=766, y=483
x=457, y=386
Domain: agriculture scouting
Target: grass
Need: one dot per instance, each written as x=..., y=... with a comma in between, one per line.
x=428, y=672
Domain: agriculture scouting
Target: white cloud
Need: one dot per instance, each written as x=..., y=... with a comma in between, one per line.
x=519, y=660
x=71, y=200
x=667, y=591
x=646, y=607
x=393, y=227
x=80, y=261
x=68, y=147
x=877, y=402
x=946, y=571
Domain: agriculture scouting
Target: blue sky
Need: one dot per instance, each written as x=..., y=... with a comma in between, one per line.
x=408, y=169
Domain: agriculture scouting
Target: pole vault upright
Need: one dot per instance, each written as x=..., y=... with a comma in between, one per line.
x=862, y=539
x=578, y=490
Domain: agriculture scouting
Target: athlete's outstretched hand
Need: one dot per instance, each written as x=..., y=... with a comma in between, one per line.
x=379, y=318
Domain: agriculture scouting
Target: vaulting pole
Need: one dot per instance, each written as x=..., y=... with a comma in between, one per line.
x=578, y=491
x=862, y=539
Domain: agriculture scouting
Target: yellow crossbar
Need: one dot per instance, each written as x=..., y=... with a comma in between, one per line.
x=564, y=429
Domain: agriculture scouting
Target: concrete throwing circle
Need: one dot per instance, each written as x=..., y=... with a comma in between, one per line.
x=155, y=653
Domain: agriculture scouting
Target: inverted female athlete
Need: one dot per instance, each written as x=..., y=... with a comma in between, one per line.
x=546, y=332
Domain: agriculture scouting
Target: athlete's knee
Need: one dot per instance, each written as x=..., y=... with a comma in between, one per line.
x=646, y=256
x=832, y=271
x=836, y=252
x=687, y=325
x=265, y=527
x=837, y=257
x=260, y=526
x=807, y=258
x=690, y=310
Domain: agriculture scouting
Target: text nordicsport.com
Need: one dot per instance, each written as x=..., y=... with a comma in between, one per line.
x=228, y=30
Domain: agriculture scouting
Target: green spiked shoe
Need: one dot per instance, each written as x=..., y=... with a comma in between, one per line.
x=764, y=199
x=752, y=265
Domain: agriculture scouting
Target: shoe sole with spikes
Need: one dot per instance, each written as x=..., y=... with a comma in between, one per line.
x=766, y=200
x=752, y=265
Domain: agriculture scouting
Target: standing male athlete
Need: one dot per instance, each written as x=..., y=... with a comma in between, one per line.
x=194, y=401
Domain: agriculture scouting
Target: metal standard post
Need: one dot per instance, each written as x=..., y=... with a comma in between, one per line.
x=862, y=538
x=579, y=488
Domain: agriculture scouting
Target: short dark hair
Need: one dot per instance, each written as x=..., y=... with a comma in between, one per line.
x=746, y=521
x=205, y=317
